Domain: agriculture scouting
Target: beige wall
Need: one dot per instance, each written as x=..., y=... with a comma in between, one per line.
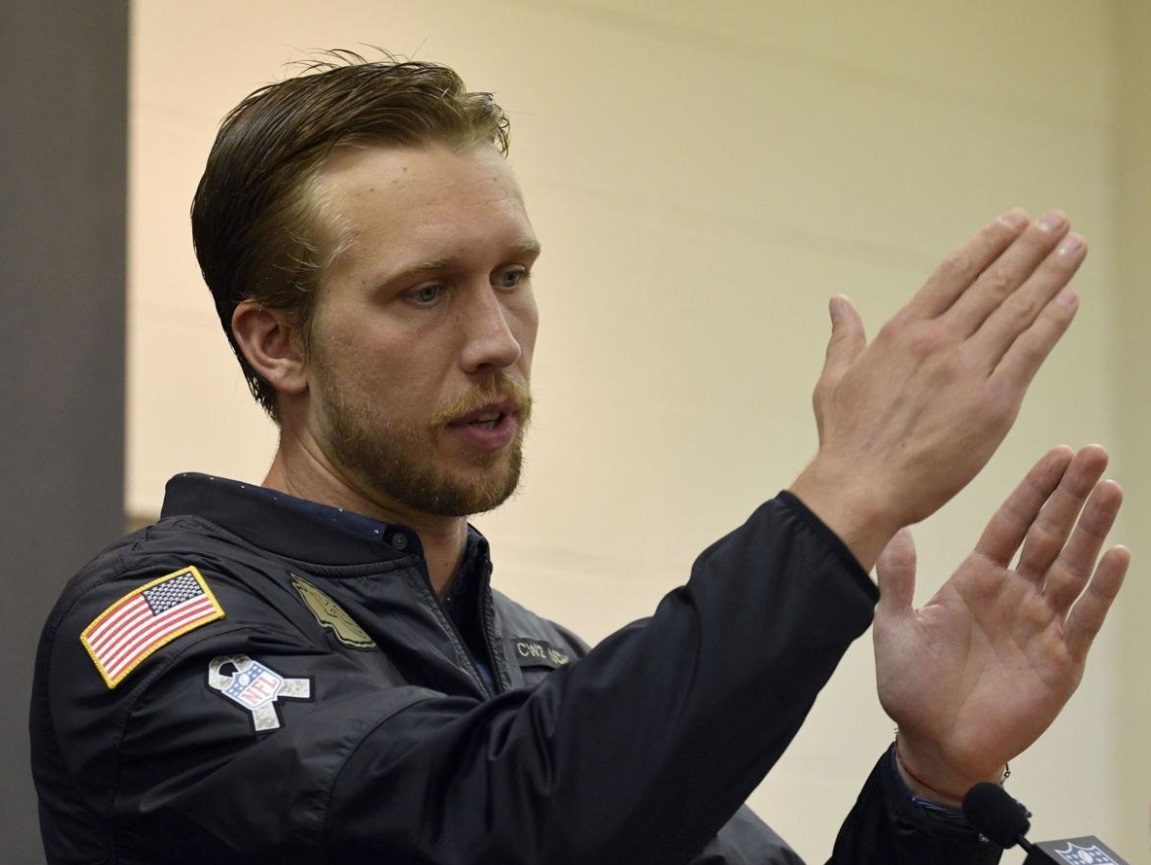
x=1132, y=387
x=704, y=177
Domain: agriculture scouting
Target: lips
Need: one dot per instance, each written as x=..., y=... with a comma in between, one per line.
x=488, y=416
x=488, y=428
x=487, y=420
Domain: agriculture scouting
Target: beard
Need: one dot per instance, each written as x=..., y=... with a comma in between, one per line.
x=401, y=460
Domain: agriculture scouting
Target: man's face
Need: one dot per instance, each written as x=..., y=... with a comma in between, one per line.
x=423, y=333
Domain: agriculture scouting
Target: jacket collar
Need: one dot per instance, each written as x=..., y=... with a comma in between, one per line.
x=289, y=526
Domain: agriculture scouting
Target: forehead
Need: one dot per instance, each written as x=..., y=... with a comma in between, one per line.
x=422, y=201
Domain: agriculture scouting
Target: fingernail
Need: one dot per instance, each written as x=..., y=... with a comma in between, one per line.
x=1016, y=219
x=1068, y=298
x=1053, y=221
x=1071, y=244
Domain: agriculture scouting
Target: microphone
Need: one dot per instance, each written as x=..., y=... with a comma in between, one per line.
x=999, y=818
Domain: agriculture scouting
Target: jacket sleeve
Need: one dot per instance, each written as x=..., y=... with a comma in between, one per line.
x=640, y=752
x=747, y=840
x=643, y=749
x=886, y=826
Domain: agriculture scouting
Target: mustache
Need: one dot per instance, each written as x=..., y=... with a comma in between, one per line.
x=500, y=387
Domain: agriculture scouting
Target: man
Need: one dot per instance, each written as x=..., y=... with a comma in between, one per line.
x=316, y=670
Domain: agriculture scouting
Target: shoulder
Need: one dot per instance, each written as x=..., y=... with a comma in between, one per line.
x=175, y=552
x=150, y=597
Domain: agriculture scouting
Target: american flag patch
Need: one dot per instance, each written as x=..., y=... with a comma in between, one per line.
x=144, y=620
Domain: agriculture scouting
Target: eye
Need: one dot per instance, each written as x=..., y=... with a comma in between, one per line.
x=507, y=279
x=426, y=295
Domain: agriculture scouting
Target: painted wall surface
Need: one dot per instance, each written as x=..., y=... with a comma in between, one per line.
x=703, y=177
x=1132, y=388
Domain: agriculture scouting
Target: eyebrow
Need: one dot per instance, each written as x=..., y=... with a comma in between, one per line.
x=524, y=247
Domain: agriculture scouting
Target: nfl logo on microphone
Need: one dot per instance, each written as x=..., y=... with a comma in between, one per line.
x=1083, y=856
x=1080, y=854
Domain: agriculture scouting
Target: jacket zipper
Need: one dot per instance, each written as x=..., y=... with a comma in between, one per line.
x=454, y=632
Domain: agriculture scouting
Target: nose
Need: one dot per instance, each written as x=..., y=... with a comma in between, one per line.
x=489, y=340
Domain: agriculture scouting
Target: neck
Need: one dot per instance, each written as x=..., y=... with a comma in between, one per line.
x=298, y=473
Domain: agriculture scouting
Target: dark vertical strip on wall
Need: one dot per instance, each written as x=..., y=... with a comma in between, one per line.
x=63, y=206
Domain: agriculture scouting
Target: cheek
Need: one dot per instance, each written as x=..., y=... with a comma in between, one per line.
x=367, y=372
x=363, y=345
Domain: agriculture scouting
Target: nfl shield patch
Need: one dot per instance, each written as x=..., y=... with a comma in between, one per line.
x=256, y=687
x=145, y=619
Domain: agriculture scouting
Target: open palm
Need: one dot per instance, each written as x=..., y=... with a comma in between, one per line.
x=975, y=676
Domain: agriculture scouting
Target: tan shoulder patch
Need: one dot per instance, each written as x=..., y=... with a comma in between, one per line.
x=331, y=615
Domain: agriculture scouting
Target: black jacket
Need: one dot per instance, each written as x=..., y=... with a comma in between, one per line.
x=318, y=704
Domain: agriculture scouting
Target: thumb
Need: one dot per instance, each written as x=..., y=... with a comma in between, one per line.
x=895, y=573
x=848, y=338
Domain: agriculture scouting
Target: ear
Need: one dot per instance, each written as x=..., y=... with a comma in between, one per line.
x=272, y=346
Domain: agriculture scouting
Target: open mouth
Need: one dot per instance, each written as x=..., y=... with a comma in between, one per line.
x=490, y=428
x=487, y=420
x=486, y=417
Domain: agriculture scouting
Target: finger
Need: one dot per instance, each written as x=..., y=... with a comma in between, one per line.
x=847, y=341
x=1053, y=526
x=1018, y=312
x=1009, y=524
x=1069, y=573
x=1087, y=615
x=895, y=572
x=959, y=270
x=848, y=338
x=1026, y=354
x=1001, y=281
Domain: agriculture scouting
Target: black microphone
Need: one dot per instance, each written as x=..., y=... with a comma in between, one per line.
x=999, y=818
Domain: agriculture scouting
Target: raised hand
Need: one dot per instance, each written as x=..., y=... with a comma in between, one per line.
x=976, y=675
x=909, y=419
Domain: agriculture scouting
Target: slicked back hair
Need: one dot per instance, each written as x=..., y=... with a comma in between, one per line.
x=256, y=223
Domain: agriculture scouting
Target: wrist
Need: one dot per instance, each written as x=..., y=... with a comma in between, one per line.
x=849, y=508
x=946, y=788
x=938, y=811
